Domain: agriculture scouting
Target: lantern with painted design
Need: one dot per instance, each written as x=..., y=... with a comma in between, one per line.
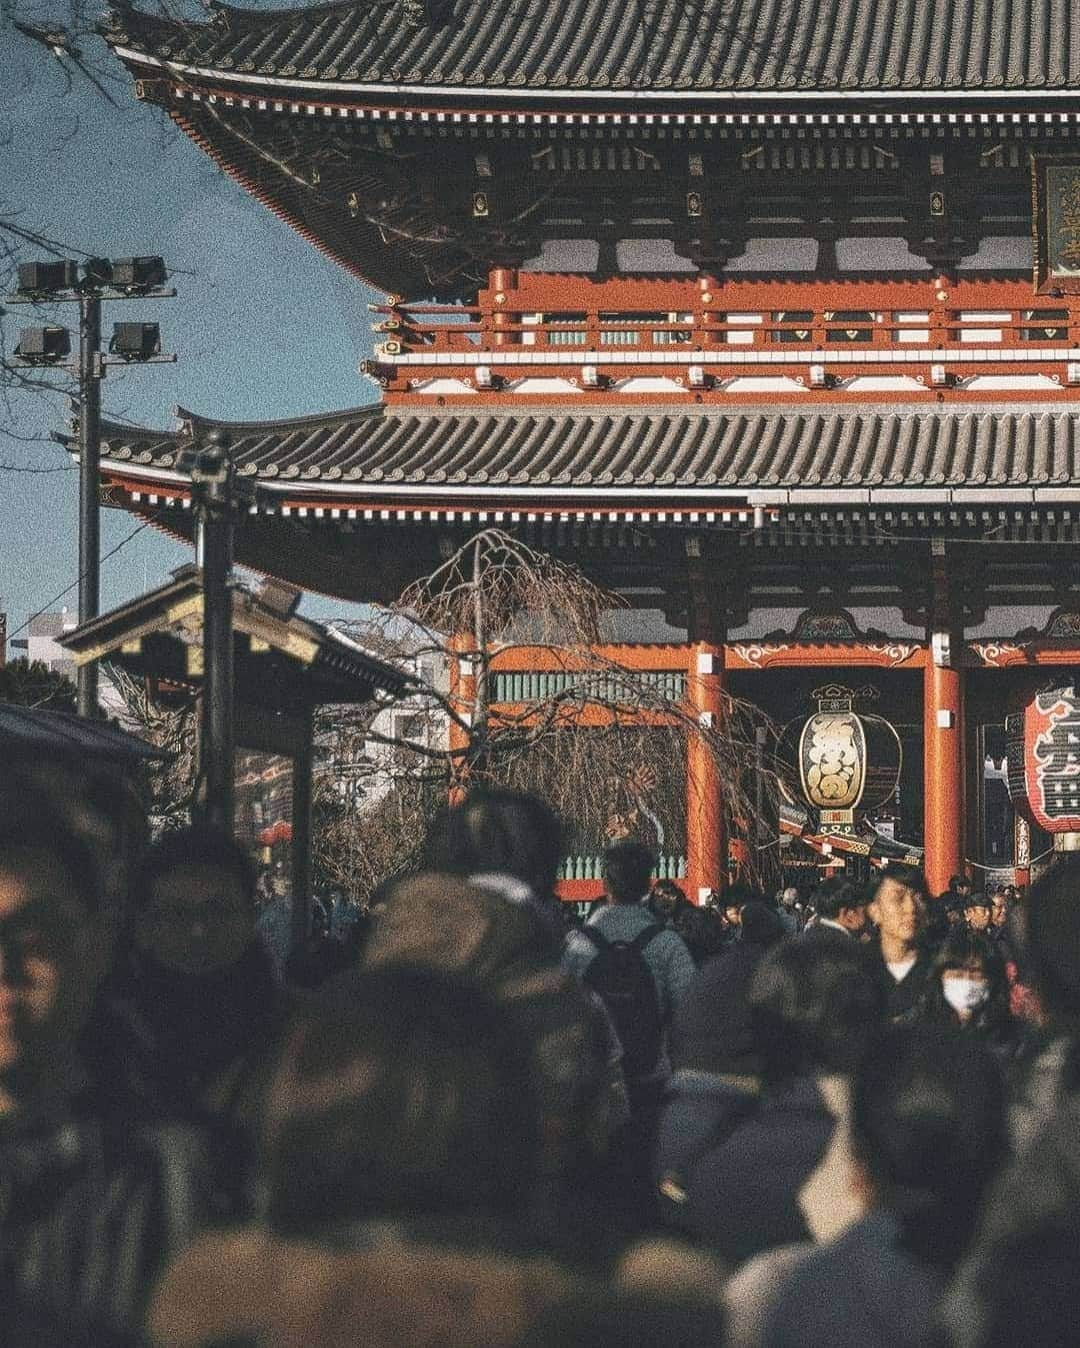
x=848, y=762
x=1044, y=763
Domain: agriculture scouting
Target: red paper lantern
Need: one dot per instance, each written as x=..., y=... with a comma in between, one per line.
x=279, y=832
x=1044, y=760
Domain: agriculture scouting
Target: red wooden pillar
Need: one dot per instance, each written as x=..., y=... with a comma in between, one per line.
x=943, y=773
x=463, y=702
x=503, y=283
x=706, y=836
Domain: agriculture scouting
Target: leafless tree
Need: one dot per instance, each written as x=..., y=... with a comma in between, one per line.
x=168, y=727
x=604, y=743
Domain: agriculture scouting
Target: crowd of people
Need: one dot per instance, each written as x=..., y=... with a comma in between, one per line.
x=840, y=1118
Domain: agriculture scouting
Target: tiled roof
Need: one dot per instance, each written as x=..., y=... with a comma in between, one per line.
x=37, y=734
x=808, y=447
x=721, y=46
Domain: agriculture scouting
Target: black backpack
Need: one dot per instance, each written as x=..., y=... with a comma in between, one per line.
x=620, y=975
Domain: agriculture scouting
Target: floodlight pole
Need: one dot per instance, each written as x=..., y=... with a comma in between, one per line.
x=90, y=367
x=90, y=373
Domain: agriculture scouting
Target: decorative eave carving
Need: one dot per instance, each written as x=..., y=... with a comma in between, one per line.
x=1063, y=625
x=1059, y=636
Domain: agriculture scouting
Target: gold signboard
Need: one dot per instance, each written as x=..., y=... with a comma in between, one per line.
x=1055, y=197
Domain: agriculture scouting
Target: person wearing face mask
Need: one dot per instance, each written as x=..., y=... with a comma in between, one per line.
x=967, y=987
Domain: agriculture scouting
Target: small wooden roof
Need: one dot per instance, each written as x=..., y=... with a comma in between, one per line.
x=283, y=662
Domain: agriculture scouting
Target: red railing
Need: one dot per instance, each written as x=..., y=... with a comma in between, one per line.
x=822, y=334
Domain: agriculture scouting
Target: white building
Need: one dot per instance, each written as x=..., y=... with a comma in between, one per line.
x=40, y=644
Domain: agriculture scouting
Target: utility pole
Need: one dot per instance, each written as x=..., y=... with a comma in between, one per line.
x=90, y=375
x=217, y=497
x=132, y=343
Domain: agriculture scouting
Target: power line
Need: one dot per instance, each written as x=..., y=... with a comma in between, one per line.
x=23, y=468
x=57, y=597
x=53, y=246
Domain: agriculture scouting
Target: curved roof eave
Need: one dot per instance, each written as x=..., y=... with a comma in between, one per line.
x=762, y=455
x=746, y=50
x=525, y=94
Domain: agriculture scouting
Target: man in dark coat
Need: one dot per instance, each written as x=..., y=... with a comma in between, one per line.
x=717, y=1064
x=813, y=1006
x=626, y=926
x=1018, y=1282
x=897, y=906
x=841, y=911
x=188, y=1014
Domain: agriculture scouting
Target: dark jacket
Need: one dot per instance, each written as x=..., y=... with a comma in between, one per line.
x=702, y=1109
x=902, y=998
x=712, y=1029
x=717, y=1066
x=89, y=1214
x=174, y=1046
x=743, y=1194
x=862, y=1290
x=1016, y=1282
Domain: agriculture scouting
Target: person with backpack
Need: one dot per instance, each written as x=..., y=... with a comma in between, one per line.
x=641, y=970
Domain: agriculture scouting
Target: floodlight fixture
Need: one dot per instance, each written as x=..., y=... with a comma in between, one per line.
x=44, y=346
x=138, y=273
x=97, y=273
x=42, y=278
x=135, y=341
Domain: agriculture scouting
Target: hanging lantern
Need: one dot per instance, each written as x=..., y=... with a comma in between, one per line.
x=847, y=761
x=278, y=832
x=1044, y=763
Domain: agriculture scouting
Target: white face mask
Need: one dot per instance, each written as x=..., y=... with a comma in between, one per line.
x=965, y=994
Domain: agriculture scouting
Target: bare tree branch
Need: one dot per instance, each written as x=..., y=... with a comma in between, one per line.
x=606, y=744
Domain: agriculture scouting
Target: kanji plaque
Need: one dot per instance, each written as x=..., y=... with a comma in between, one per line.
x=1055, y=185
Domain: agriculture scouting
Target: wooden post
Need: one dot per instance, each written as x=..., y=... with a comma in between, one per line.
x=463, y=701
x=503, y=281
x=706, y=836
x=301, y=835
x=944, y=806
x=943, y=774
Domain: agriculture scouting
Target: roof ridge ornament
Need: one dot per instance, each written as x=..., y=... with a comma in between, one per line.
x=424, y=13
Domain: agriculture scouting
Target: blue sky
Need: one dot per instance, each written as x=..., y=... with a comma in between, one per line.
x=263, y=325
